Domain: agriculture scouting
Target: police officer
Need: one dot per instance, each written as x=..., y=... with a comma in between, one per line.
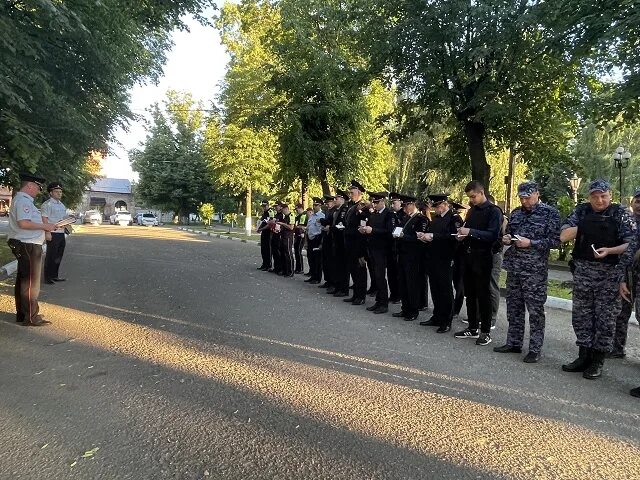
x=424, y=206
x=287, y=226
x=341, y=270
x=265, y=235
x=275, y=239
x=378, y=234
x=410, y=250
x=497, y=251
x=478, y=235
x=602, y=231
x=354, y=243
x=441, y=251
x=458, y=284
x=533, y=230
x=392, y=259
x=26, y=236
x=328, y=264
x=53, y=210
x=629, y=277
x=298, y=243
x=314, y=239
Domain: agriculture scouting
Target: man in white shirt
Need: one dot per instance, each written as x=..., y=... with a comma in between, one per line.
x=53, y=210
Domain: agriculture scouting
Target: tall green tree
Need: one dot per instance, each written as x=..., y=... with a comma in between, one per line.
x=174, y=174
x=65, y=72
x=483, y=64
x=241, y=160
x=240, y=149
x=324, y=80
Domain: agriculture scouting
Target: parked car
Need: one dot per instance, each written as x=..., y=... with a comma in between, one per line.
x=121, y=218
x=93, y=217
x=147, y=220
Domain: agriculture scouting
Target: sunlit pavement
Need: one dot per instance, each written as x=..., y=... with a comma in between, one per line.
x=170, y=356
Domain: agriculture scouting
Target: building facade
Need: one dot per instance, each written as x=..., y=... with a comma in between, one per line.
x=108, y=195
x=5, y=200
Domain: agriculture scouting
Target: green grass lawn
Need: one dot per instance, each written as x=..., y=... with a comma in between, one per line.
x=5, y=252
x=224, y=232
x=554, y=289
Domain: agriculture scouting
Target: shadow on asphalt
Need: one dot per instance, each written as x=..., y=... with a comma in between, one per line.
x=106, y=405
x=578, y=404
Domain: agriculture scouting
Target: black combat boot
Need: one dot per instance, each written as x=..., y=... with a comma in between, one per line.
x=595, y=369
x=581, y=363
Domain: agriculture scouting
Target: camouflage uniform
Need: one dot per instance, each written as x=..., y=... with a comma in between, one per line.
x=596, y=302
x=626, y=266
x=527, y=270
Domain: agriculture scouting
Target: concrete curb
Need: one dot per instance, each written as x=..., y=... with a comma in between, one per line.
x=219, y=235
x=9, y=269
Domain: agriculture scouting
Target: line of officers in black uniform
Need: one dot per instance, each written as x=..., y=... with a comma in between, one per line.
x=395, y=237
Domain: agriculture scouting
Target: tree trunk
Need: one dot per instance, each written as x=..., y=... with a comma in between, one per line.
x=304, y=193
x=480, y=169
x=326, y=188
x=510, y=176
x=248, y=222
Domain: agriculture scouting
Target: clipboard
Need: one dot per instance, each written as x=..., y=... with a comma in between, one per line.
x=66, y=221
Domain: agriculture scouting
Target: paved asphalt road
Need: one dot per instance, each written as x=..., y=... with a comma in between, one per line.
x=170, y=356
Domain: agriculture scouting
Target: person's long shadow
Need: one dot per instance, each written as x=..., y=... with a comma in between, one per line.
x=224, y=331
x=87, y=397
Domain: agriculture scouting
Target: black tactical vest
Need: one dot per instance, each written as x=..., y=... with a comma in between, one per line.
x=599, y=230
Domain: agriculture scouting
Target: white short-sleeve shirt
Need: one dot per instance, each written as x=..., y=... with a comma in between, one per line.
x=54, y=211
x=22, y=208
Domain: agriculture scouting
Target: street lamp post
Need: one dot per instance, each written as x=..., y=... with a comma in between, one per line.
x=621, y=159
x=575, y=184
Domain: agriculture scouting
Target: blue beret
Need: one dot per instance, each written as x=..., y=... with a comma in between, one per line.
x=599, y=186
x=526, y=189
